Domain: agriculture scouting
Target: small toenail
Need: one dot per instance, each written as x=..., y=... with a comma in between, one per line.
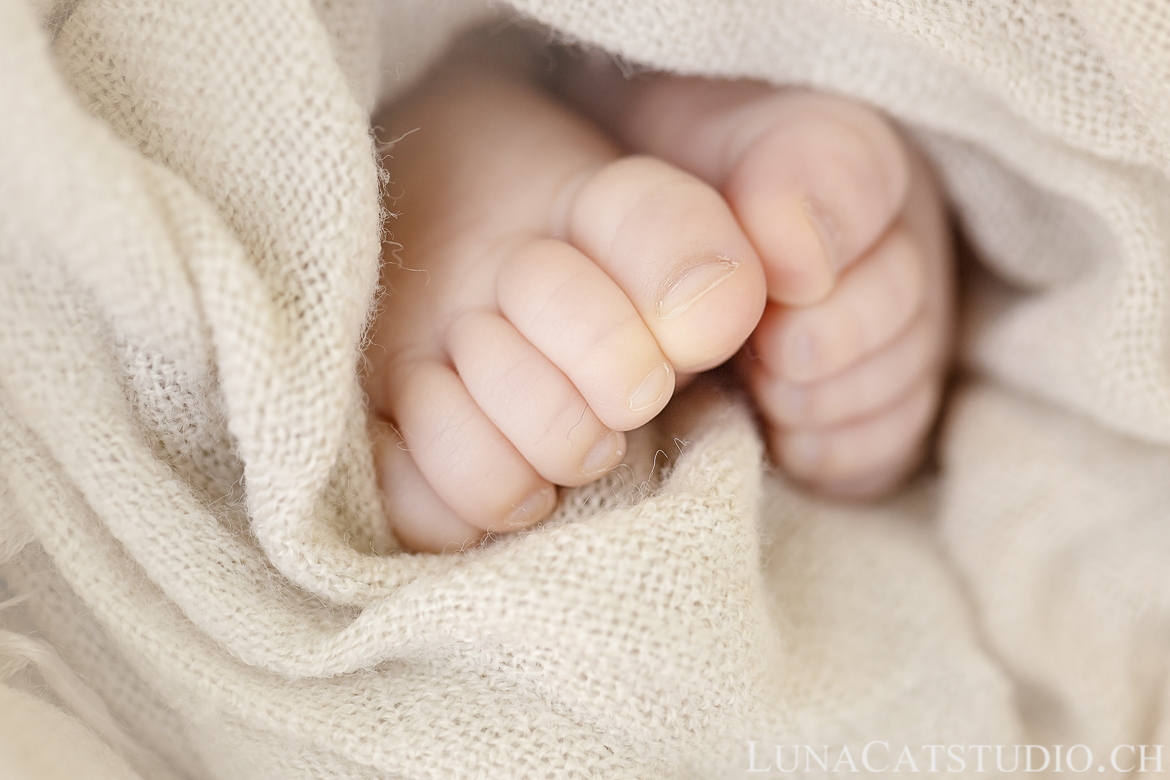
x=802, y=453
x=605, y=454
x=692, y=283
x=531, y=509
x=828, y=234
x=652, y=388
x=800, y=355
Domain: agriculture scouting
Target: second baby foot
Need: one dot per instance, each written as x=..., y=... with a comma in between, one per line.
x=543, y=295
x=848, y=362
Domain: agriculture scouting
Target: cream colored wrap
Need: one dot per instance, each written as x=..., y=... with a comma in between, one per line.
x=189, y=239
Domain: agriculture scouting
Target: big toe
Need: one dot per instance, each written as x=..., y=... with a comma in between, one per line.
x=816, y=189
x=672, y=245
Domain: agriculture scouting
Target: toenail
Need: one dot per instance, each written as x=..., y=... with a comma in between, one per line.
x=652, y=388
x=531, y=509
x=802, y=453
x=800, y=355
x=605, y=454
x=827, y=233
x=692, y=283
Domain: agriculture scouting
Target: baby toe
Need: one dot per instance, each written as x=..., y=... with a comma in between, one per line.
x=531, y=402
x=418, y=517
x=574, y=315
x=871, y=305
x=815, y=189
x=877, y=450
x=670, y=243
x=859, y=391
x=471, y=466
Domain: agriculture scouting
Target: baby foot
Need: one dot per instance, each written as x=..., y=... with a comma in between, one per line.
x=543, y=295
x=848, y=362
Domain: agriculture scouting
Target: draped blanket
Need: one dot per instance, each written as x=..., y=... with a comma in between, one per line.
x=189, y=241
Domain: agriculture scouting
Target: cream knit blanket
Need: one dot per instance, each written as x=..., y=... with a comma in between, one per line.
x=189, y=238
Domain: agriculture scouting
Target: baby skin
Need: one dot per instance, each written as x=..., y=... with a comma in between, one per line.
x=547, y=291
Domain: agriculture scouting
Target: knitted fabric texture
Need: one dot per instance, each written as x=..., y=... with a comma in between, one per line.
x=189, y=244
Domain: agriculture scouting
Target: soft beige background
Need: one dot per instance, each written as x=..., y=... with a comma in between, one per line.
x=189, y=231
